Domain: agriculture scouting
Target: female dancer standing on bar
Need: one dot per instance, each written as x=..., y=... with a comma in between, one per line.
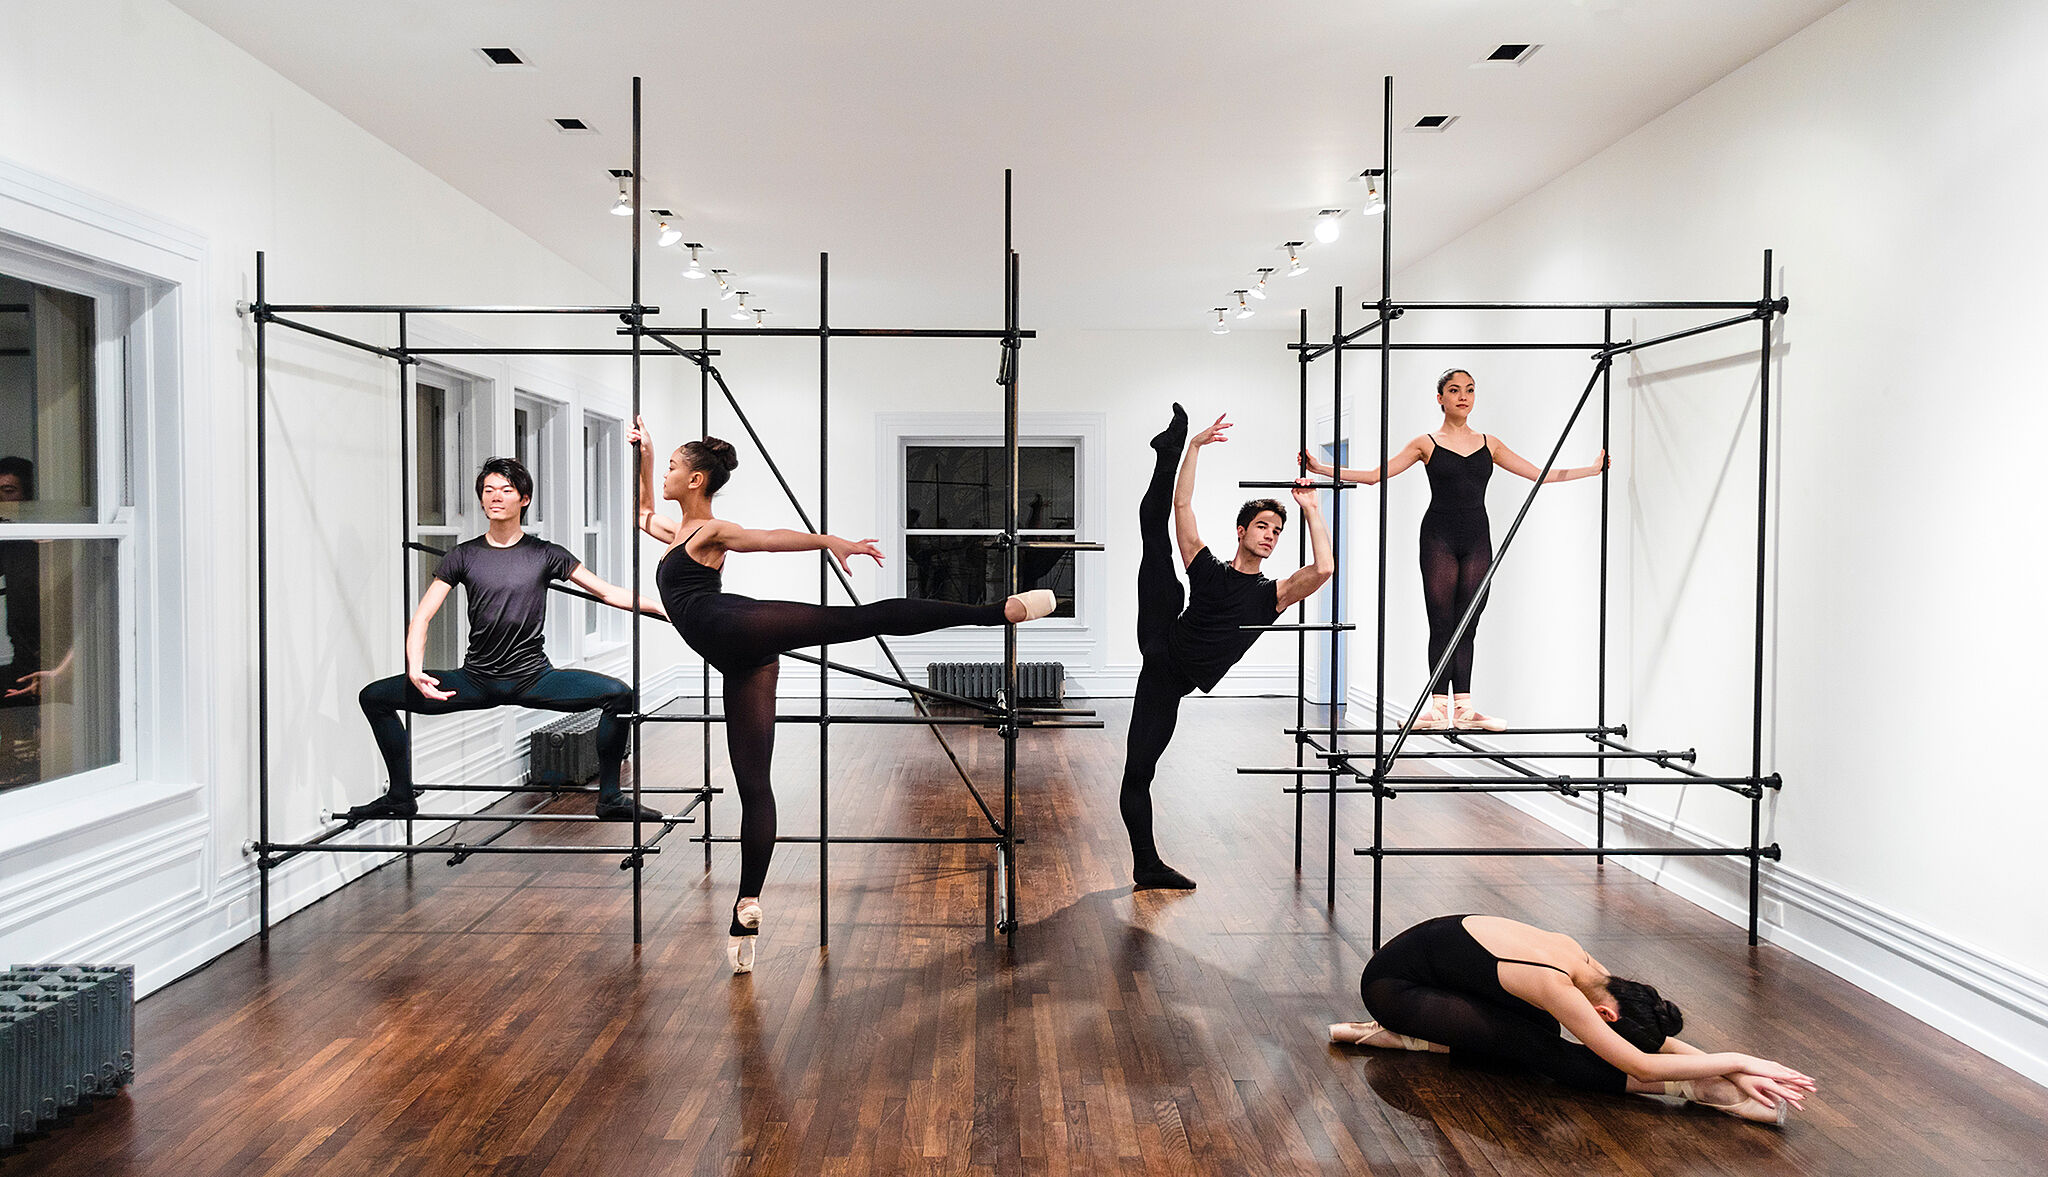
x=1457, y=544
x=744, y=638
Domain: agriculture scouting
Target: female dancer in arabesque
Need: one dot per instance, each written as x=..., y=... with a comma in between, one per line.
x=745, y=638
x=1457, y=546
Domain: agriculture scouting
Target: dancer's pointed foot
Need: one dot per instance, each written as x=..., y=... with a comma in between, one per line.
x=739, y=952
x=1707, y=1093
x=1158, y=876
x=621, y=809
x=746, y=917
x=1435, y=717
x=1030, y=605
x=1469, y=718
x=1374, y=1034
x=1174, y=436
x=746, y=927
x=389, y=805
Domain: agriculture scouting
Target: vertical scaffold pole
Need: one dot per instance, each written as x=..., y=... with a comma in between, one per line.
x=1763, y=482
x=262, y=617
x=824, y=588
x=639, y=321
x=704, y=668
x=1008, y=850
x=1380, y=765
x=1600, y=690
x=1301, y=614
x=1335, y=687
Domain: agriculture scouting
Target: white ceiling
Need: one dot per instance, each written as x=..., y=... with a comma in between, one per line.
x=1162, y=150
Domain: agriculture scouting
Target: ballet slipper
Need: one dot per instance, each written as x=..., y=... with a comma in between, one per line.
x=1753, y=1110
x=1469, y=718
x=1358, y=1033
x=741, y=953
x=1437, y=716
x=1037, y=603
x=747, y=913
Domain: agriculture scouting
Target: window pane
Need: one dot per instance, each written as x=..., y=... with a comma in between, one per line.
x=48, y=423
x=968, y=568
x=520, y=449
x=444, y=652
x=60, y=684
x=962, y=487
x=590, y=608
x=430, y=455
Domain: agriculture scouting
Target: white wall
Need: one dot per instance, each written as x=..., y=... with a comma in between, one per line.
x=178, y=160
x=1890, y=154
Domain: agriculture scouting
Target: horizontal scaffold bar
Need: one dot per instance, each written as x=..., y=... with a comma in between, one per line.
x=1060, y=545
x=1305, y=627
x=875, y=839
x=1452, y=735
x=1275, y=484
x=441, y=848
x=1483, y=754
x=886, y=720
x=1503, y=787
x=1771, y=852
x=560, y=790
x=1729, y=305
x=365, y=308
x=691, y=353
x=1491, y=345
x=570, y=818
x=839, y=332
x=344, y=340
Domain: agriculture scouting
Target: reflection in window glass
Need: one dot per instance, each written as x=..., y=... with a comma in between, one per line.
x=60, y=677
x=970, y=569
x=48, y=390
x=965, y=488
x=430, y=454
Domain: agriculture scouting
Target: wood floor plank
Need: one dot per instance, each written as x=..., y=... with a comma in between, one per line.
x=494, y=1018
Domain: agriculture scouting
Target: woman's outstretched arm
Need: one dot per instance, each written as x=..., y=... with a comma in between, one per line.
x=1515, y=463
x=1397, y=461
x=734, y=538
x=652, y=522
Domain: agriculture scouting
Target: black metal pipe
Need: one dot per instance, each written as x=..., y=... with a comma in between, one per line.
x=1479, y=754
x=1290, y=484
x=1058, y=545
x=1007, y=853
x=1574, y=306
x=439, y=847
x=704, y=668
x=878, y=840
x=1770, y=852
x=1503, y=787
x=845, y=332
x=1494, y=345
x=550, y=790
x=824, y=574
x=636, y=321
x=988, y=721
x=344, y=340
x=1606, y=480
x=1513, y=731
x=1386, y=312
x=1301, y=606
x=542, y=351
x=1763, y=483
x=262, y=617
x=303, y=308
x=1622, y=349
x=1336, y=685
x=486, y=815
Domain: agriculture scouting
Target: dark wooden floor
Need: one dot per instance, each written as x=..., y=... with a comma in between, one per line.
x=495, y=1018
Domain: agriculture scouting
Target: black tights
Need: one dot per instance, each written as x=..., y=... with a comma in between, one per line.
x=1456, y=552
x=549, y=690
x=731, y=631
x=1156, y=708
x=1517, y=1034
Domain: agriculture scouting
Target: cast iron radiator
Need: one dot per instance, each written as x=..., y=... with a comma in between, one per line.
x=67, y=1034
x=1038, y=683
x=563, y=752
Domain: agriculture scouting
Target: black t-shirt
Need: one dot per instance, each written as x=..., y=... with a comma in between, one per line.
x=508, y=600
x=1205, y=641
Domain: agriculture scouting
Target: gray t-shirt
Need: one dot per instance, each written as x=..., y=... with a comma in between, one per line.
x=508, y=600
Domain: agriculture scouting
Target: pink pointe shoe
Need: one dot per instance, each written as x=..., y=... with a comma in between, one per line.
x=1435, y=717
x=1037, y=603
x=1748, y=1109
x=1373, y=1034
x=1471, y=719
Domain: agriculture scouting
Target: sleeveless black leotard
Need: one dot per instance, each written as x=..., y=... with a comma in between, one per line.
x=1437, y=983
x=1457, y=549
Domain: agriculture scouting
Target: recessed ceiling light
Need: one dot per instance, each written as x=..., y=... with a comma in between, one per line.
x=1510, y=54
x=503, y=58
x=1434, y=122
x=574, y=127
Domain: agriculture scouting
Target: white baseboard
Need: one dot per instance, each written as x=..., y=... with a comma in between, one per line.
x=1977, y=998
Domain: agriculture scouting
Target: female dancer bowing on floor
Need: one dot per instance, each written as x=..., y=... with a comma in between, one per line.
x=1489, y=988
x=745, y=638
x=1457, y=545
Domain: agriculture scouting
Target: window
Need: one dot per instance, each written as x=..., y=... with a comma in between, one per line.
x=444, y=503
x=67, y=529
x=955, y=497
x=603, y=504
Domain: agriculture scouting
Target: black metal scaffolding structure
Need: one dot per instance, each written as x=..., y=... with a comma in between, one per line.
x=1004, y=716
x=1372, y=771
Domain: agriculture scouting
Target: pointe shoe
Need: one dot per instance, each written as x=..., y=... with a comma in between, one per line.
x=1748, y=1109
x=1437, y=716
x=747, y=913
x=1037, y=603
x=740, y=952
x=1358, y=1034
x=1469, y=718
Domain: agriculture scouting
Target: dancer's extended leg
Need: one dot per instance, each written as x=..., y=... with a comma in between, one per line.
x=1154, y=713
x=750, y=741
x=582, y=690
x=1161, y=596
x=1476, y=1029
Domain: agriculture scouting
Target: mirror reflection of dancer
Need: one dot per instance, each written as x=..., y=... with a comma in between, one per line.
x=745, y=638
x=1485, y=987
x=1457, y=545
x=1191, y=642
x=505, y=573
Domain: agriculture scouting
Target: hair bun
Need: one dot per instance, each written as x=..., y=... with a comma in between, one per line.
x=1669, y=1019
x=722, y=452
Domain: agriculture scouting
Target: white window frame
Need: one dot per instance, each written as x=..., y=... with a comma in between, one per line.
x=462, y=440
x=603, y=487
x=115, y=323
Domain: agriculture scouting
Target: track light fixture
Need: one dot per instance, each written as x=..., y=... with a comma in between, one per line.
x=725, y=290
x=1258, y=289
x=695, y=270
x=1294, y=267
x=1244, y=310
x=1374, y=201
x=758, y=315
x=669, y=235
x=1221, y=327
x=1327, y=227
x=741, y=313
x=623, y=205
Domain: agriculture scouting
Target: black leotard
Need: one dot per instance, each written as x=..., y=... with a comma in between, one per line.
x=1456, y=549
x=1437, y=983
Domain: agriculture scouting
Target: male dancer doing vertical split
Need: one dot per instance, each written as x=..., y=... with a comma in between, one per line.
x=1192, y=647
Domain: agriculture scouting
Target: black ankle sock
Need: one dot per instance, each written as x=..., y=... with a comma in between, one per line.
x=1157, y=876
x=1175, y=435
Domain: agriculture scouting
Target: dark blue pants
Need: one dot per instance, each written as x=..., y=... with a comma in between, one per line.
x=547, y=690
